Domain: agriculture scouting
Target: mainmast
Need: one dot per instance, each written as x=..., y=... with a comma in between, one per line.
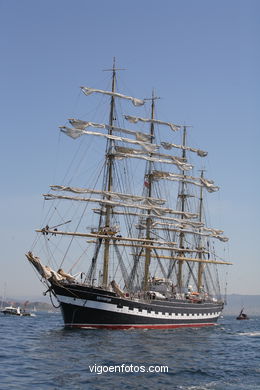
x=182, y=197
x=201, y=265
x=149, y=194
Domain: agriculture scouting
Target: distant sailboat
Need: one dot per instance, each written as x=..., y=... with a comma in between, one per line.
x=150, y=261
x=242, y=315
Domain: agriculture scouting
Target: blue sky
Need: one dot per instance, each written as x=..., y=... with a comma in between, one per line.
x=202, y=57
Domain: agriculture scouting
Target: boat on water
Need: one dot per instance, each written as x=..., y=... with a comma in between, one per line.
x=16, y=311
x=242, y=315
x=144, y=255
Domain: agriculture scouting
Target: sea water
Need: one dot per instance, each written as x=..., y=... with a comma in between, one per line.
x=38, y=353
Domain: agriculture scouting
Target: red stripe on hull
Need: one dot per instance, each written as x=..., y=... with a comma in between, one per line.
x=169, y=326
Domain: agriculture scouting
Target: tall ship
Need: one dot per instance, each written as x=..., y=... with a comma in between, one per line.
x=126, y=241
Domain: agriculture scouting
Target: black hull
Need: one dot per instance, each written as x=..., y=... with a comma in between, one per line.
x=87, y=307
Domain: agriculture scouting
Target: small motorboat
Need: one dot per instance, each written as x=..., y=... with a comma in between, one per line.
x=16, y=311
x=242, y=316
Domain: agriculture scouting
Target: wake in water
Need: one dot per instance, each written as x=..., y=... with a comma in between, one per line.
x=217, y=386
x=250, y=334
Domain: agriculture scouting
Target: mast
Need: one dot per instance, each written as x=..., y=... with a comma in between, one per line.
x=182, y=196
x=148, y=219
x=109, y=177
x=201, y=265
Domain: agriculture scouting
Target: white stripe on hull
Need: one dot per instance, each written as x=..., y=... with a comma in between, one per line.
x=98, y=305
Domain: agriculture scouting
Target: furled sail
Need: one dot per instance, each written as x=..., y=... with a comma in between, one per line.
x=198, y=181
x=75, y=133
x=209, y=185
x=185, y=221
x=199, y=233
x=181, y=223
x=148, y=206
x=82, y=125
x=168, y=146
x=109, y=194
x=134, y=119
x=216, y=233
x=136, y=102
x=122, y=152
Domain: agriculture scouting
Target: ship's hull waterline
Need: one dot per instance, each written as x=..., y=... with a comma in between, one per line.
x=87, y=307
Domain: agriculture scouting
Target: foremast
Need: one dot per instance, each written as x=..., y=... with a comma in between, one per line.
x=109, y=178
x=109, y=174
